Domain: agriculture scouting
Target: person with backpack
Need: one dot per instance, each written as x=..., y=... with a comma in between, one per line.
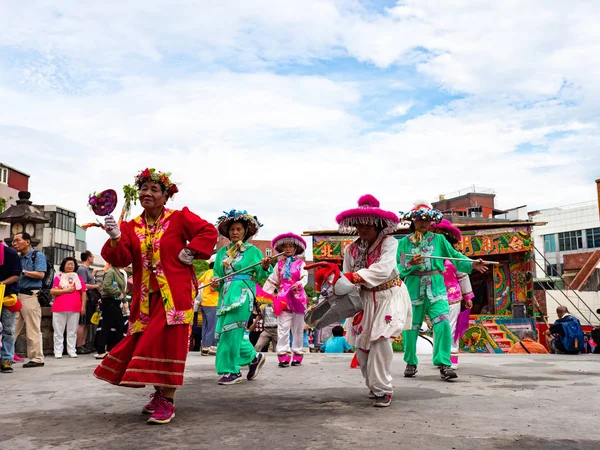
x=565, y=336
x=34, y=268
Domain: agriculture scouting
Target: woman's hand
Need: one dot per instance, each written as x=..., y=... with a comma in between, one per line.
x=468, y=304
x=186, y=256
x=69, y=290
x=112, y=227
x=480, y=266
x=416, y=260
x=215, y=284
x=265, y=263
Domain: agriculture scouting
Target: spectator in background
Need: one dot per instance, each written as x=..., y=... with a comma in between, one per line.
x=69, y=303
x=268, y=336
x=528, y=345
x=113, y=290
x=208, y=309
x=337, y=342
x=10, y=271
x=33, y=264
x=196, y=337
x=84, y=345
x=565, y=336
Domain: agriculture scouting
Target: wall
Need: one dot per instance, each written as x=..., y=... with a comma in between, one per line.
x=580, y=216
x=586, y=316
x=11, y=196
x=18, y=181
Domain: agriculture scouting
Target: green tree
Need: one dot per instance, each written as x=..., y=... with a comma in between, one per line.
x=200, y=267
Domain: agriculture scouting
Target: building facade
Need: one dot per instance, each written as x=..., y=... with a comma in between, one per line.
x=11, y=182
x=569, y=230
x=59, y=238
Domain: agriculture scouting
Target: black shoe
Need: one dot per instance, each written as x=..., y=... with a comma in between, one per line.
x=410, y=371
x=447, y=373
x=383, y=401
x=33, y=364
x=6, y=367
x=83, y=350
x=255, y=366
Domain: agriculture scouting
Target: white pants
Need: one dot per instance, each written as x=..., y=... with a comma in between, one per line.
x=60, y=321
x=376, y=366
x=286, y=322
x=454, y=313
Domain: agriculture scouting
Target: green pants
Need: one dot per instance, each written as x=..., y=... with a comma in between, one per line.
x=233, y=351
x=438, y=313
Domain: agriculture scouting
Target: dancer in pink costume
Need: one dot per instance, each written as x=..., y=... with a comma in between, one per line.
x=458, y=286
x=289, y=277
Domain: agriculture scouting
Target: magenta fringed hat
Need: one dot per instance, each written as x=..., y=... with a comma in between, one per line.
x=289, y=238
x=367, y=213
x=446, y=227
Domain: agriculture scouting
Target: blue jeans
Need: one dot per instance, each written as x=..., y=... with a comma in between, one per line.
x=209, y=323
x=7, y=352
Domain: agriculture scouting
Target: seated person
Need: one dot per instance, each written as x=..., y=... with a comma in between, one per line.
x=565, y=336
x=528, y=344
x=337, y=342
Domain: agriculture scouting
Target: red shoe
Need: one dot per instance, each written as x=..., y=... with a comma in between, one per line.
x=18, y=359
x=165, y=412
x=150, y=408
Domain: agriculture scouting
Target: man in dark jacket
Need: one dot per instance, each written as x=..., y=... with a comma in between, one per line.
x=565, y=336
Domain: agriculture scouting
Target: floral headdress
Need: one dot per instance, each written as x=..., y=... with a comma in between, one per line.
x=252, y=223
x=162, y=178
x=422, y=211
x=446, y=228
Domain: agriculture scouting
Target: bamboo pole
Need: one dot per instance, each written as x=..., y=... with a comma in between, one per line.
x=495, y=263
x=238, y=271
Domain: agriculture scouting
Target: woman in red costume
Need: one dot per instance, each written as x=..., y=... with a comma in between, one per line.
x=161, y=244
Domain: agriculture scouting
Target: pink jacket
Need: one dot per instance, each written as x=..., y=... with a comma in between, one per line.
x=458, y=285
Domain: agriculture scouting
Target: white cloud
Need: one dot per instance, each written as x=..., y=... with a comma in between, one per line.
x=400, y=110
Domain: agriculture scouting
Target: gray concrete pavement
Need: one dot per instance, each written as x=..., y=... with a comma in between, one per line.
x=498, y=402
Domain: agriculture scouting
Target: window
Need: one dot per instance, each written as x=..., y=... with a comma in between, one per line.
x=80, y=246
x=269, y=252
x=554, y=270
x=593, y=237
x=62, y=220
x=570, y=240
x=550, y=243
x=60, y=252
x=3, y=175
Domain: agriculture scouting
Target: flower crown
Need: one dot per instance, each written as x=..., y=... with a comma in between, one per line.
x=234, y=215
x=162, y=178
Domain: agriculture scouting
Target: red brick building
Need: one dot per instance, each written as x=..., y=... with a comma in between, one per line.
x=473, y=202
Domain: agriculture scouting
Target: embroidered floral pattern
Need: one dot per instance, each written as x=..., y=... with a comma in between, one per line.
x=175, y=317
x=388, y=319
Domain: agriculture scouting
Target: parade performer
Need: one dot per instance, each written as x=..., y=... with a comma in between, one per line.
x=370, y=263
x=236, y=296
x=161, y=244
x=458, y=287
x=425, y=281
x=289, y=277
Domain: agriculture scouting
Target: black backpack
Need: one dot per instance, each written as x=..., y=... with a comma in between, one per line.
x=44, y=296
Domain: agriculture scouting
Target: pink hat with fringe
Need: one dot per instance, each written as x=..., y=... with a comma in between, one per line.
x=367, y=213
x=289, y=238
x=446, y=227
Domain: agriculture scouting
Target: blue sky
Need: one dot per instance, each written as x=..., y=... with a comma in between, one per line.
x=292, y=110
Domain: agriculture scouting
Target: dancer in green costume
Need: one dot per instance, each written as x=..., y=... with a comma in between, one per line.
x=236, y=296
x=425, y=282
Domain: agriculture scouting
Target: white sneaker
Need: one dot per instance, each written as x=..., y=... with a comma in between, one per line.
x=58, y=356
x=72, y=355
x=454, y=366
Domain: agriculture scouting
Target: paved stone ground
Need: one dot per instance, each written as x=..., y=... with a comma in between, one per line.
x=499, y=402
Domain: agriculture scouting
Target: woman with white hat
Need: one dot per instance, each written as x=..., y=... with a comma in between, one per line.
x=370, y=263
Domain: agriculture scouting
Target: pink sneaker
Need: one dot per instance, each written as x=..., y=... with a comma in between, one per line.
x=297, y=359
x=154, y=401
x=284, y=360
x=165, y=412
x=18, y=359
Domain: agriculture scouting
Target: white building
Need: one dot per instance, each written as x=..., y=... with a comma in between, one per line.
x=59, y=237
x=570, y=229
